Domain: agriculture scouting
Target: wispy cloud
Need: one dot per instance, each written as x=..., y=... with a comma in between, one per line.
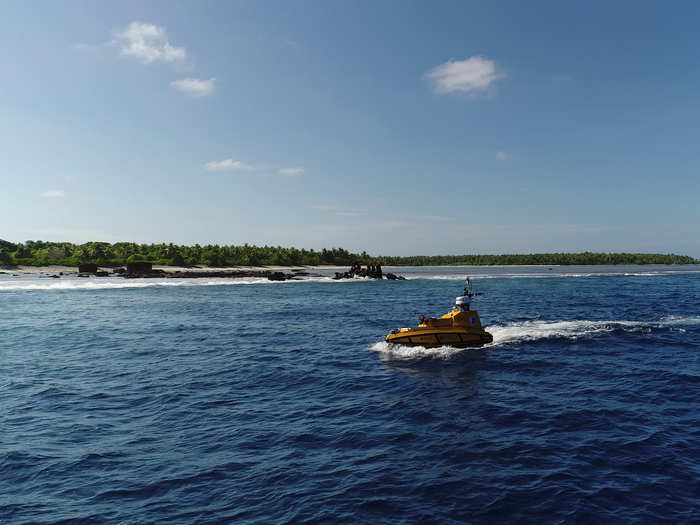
x=437, y=218
x=261, y=169
x=52, y=194
x=227, y=165
x=195, y=87
x=471, y=75
x=292, y=172
x=147, y=43
x=96, y=50
x=340, y=212
x=501, y=155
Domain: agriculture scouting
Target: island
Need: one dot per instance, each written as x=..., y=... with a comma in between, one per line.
x=212, y=256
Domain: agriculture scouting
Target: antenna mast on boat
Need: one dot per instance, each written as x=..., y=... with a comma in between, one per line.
x=468, y=289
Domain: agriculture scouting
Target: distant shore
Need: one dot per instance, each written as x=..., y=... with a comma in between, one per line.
x=269, y=258
x=69, y=270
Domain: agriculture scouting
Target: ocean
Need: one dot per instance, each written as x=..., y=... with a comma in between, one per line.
x=249, y=401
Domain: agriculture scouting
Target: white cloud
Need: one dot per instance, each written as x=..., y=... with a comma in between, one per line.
x=471, y=75
x=227, y=165
x=148, y=43
x=501, y=155
x=291, y=171
x=54, y=194
x=237, y=165
x=194, y=86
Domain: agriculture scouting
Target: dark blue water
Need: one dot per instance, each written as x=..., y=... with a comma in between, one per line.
x=146, y=402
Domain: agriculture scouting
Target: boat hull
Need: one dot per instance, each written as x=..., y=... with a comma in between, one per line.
x=432, y=338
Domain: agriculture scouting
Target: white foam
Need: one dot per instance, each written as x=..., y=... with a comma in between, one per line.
x=395, y=351
x=106, y=283
x=534, y=330
x=550, y=275
x=674, y=320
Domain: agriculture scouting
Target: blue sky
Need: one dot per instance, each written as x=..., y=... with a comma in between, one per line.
x=392, y=127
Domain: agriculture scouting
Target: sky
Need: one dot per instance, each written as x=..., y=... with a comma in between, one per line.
x=394, y=127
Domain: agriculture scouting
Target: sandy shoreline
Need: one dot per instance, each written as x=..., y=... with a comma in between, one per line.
x=29, y=270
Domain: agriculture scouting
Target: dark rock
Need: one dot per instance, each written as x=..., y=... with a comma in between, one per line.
x=87, y=268
x=139, y=267
x=278, y=276
x=101, y=273
x=373, y=271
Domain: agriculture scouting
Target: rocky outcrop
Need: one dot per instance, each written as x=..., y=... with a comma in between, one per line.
x=146, y=271
x=139, y=268
x=280, y=276
x=372, y=271
x=190, y=274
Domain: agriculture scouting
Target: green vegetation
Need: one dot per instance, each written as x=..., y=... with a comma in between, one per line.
x=40, y=253
x=541, y=258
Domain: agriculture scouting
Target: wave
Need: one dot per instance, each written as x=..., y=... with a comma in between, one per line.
x=675, y=320
x=473, y=275
x=109, y=284
x=396, y=351
x=44, y=283
x=510, y=334
x=534, y=330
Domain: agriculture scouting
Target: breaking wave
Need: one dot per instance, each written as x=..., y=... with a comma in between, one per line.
x=112, y=284
x=534, y=330
x=550, y=275
x=510, y=334
x=396, y=351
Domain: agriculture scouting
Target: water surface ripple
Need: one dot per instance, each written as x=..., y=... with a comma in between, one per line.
x=280, y=402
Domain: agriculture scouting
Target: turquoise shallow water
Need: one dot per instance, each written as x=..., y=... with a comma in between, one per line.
x=203, y=402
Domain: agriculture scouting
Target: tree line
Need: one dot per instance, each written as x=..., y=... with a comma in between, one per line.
x=554, y=259
x=43, y=253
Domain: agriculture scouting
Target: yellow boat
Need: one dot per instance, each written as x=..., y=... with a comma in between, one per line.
x=459, y=328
